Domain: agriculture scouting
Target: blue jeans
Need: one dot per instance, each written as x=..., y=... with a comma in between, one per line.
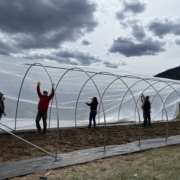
x=0, y=115
x=92, y=116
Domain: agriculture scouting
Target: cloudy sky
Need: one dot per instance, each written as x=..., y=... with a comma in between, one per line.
x=138, y=36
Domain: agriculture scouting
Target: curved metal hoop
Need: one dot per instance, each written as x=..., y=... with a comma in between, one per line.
x=91, y=78
x=139, y=97
x=55, y=99
x=170, y=94
x=174, y=90
x=52, y=99
x=159, y=96
x=58, y=85
x=125, y=96
x=119, y=78
x=163, y=105
x=160, y=91
x=141, y=79
x=101, y=97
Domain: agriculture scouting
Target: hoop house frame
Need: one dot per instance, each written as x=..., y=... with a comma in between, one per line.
x=119, y=78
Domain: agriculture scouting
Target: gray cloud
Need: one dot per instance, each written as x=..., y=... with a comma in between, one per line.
x=84, y=58
x=115, y=65
x=39, y=56
x=122, y=63
x=86, y=42
x=46, y=23
x=177, y=42
x=124, y=24
x=128, y=47
x=163, y=27
x=134, y=7
x=138, y=32
x=6, y=48
x=111, y=65
x=74, y=57
x=120, y=15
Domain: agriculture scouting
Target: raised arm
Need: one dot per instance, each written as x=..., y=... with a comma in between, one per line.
x=143, y=97
x=89, y=104
x=38, y=90
x=52, y=92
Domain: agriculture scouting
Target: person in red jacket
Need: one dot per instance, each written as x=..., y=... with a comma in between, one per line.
x=43, y=104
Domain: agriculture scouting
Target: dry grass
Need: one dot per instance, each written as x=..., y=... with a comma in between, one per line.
x=156, y=164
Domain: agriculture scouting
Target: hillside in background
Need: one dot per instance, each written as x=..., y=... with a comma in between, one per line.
x=173, y=73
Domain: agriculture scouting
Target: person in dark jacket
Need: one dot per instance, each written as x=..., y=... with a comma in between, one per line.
x=93, y=107
x=147, y=111
x=2, y=108
x=43, y=104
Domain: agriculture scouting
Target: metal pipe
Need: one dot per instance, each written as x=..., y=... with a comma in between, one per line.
x=157, y=92
x=164, y=107
x=55, y=90
x=162, y=114
x=7, y=126
x=90, y=78
x=20, y=94
x=162, y=102
x=128, y=90
x=174, y=90
x=35, y=64
x=124, y=97
x=127, y=76
x=170, y=94
x=166, y=98
x=143, y=92
x=37, y=147
x=72, y=69
x=154, y=96
x=119, y=78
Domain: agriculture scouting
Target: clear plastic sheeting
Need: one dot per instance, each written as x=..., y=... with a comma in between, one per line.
x=118, y=93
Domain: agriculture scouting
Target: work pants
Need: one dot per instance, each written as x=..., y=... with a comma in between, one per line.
x=43, y=115
x=92, y=116
x=147, y=118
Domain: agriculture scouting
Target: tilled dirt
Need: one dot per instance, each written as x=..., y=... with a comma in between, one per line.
x=13, y=149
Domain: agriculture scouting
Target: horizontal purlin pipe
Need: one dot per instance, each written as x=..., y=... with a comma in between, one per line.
x=109, y=74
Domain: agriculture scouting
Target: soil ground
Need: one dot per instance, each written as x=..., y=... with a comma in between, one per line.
x=13, y=149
